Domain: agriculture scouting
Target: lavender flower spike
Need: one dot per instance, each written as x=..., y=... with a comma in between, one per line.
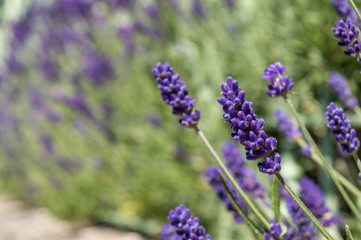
x=286, y=126
x=270, y=165
x=275, y=232
x=187, y=227
x=245, y=176
x=248, y=129
x=341, y=88
x=280, y=85
x=306, y=229
x=313, y=198
x=174, y=92
x=341, y=127
x=215, y=181
x=347, y=34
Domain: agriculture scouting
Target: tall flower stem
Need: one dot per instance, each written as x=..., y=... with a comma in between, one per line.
x=358, y=162
x=294, y=196
x=239, y=190
x=344, y=181
x=355, y=8
x=324, y=162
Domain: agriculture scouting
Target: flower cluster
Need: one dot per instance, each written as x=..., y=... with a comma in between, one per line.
x=340, y=86
x=275, y=231
x=271, y=164
x=245, y=176
x=313, y=198
x=215, y=181
x=305, y=227
x=341, y=127
x=175, y=93
x=280, y=85
x=347, y=34
x=248, y=129
x=286, y=126
x=345, y=10
x=186, y=226
x=169, y=232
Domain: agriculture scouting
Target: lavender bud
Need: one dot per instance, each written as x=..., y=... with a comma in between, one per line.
x=174, y=92
x=341, y=127
x=280, y=85
x=169, y=232
x=248, y=129
x=307, y=150
x=340, y=86
x=187, y=227
x=271, y=164
x=275, y=231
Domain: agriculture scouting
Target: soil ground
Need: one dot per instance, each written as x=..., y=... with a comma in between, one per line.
x=19, y=223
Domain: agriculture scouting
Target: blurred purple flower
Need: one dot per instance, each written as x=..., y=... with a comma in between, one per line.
x=152, y=10
x=126, y=33
x=341, y=88
x=198, y=9
x=98, y=68
x=47, y=143
x=169, y=232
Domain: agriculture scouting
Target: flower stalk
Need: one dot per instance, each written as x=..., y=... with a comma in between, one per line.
x=323, y=161
x=303, y=207
x=243, y=195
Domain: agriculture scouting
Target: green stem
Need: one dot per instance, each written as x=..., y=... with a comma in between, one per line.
x=239, y=209
x=303, y=207
x=344, y=181
x=276, y=205
x=358, y=162
x=324, y=162
x=348, y=233
x=239, y=190
x=355, y=8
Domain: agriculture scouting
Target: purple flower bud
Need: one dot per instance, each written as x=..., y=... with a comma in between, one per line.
x=248, y=129
x=306, y=151
x=47, y=143
x=169, y=232
x=271, y=164
x=341, y=88
x=286, y=126
x=275, y=231
x=359, y=175
x=186, y=226
x=341, y=127
x=175, y=93
x=280, y=85
x=345, y=10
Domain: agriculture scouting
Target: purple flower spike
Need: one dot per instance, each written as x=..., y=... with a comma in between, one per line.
x=345, y=10
x=245, y=176
x=341, y=127
x=306, y=229
x=174, y=92
x=347, y=34
x=275, y=232
x=215, y=181
x=280, y=85
x=271, y=164
x=248, y=129
x=313, y=198
x=286, y=126
x=341, y=88
x=169, y=232
x=186, y=226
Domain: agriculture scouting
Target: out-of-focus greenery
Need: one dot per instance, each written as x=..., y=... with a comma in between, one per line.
x=140, y=170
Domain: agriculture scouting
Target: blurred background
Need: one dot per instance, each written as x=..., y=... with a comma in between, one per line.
x=84, y=132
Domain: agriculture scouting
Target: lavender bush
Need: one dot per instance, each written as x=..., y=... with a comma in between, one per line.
x=81, y=119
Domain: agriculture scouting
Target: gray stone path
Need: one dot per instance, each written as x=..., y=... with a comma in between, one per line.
x=18, y=223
